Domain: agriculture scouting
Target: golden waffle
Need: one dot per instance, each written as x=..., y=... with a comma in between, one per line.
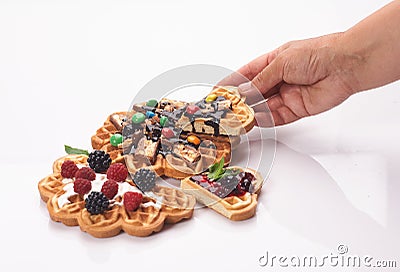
x=240, y=109
x=238, y=120
x=101, y=140
x=167, y=205
x=233, y=207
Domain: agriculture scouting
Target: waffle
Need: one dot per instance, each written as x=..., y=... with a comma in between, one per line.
x=101, y=140
x=235, y=208
x=161, y=205
x=175, y=167
x=168, y=165
x=238, y=120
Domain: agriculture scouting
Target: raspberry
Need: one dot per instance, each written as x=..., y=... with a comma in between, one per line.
x=99, y=161
x=68, y=169
x=86, y=173
x=110, y=188
x=145, y=179
x=96, y=203
x=82, y=186
x=117, y=172
x=132, y=200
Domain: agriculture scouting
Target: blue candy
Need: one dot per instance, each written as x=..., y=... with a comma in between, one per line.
x=150, y=114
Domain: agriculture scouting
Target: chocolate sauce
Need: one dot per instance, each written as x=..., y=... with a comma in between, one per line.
x=208, y=110
x=152, y=131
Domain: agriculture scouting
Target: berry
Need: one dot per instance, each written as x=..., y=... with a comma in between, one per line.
x=229, y=182
x=110, y=188
x=68, y=169
x=86, y=173
x=82, y=186
x=117, y=172
x=246, y=182
x=96, y=203
x=145, y=179
x=132, y=200
x=99, y=161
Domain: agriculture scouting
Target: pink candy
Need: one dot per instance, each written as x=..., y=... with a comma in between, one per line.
x=168, y=133
x=191, y=109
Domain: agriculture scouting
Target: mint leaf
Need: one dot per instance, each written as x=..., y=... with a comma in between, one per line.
x=231, y=172
x=71, y=150
x=216, y=170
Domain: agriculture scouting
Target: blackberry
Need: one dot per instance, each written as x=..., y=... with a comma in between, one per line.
x=99, y=161
x=96, y=203
x=145, y=179
x=246, y=182
x=222, y=192
x=229, y=182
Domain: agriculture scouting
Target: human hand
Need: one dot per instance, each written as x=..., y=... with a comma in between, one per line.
x=298, y=79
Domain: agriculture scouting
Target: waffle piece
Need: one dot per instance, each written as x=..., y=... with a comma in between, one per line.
x=227, y=115
x=159, y=206
x=170, y=165
x=240, y=109
x=101, y=140
x=233, y=207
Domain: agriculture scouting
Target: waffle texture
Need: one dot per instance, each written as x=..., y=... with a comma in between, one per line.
x=162, y=205
x=235, y=208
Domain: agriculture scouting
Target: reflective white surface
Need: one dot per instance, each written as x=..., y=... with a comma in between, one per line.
x=66, y=65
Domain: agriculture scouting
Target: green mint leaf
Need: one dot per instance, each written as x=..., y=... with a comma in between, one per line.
x=71, y=150
x=216, y=170
x=231, y=172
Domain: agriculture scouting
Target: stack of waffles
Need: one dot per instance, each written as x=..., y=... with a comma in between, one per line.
x=169, y=138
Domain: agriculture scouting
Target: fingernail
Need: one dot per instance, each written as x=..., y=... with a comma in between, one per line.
x=244, y=87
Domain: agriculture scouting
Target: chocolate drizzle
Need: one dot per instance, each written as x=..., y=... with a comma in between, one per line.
x=209, y=110
x=151, y=129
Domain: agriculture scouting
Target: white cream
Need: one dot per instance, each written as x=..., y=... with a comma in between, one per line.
x=69, y=191
x=157, y=198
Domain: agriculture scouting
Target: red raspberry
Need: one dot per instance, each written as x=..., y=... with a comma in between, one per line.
x=117, y=172
x=68, y=169
x=82, y=186
x=132, y=200
x=86, y=173
x=110, y=188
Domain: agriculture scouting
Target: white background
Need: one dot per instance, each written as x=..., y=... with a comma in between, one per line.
x=65, y=65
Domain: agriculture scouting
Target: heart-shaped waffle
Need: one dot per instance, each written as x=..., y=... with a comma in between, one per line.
x=159, y=206
x=234, y=203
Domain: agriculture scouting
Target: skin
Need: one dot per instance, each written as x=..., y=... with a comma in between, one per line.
x=307, y=77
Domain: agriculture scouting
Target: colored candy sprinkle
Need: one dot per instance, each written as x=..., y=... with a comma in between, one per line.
x=116, y=139
x=138, y=118
x=193, y=139
x=191, y=109
x=210, y=98
x=167, y=133
x=152, y=103
x=150, y=114
x=163, y=121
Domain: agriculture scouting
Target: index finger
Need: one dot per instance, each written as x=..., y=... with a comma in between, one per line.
x=249, y=71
